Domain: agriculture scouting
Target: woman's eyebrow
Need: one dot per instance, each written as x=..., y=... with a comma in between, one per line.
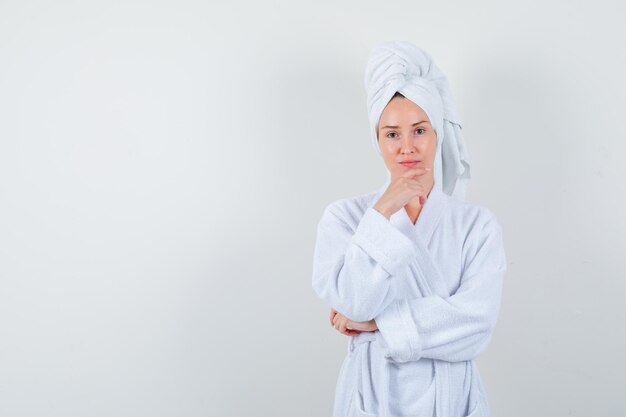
x=414, y=124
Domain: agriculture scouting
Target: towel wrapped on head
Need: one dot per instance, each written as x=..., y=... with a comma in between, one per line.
x=400, y=66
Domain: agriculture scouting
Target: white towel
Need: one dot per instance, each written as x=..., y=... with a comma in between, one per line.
x=403, y=67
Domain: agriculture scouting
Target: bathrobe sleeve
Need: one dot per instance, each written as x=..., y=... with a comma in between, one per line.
x=457, y=327
x=354, y=267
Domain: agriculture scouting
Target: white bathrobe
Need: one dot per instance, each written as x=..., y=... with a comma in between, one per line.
x=434, y=290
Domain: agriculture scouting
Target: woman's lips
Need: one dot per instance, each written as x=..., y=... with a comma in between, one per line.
x=409, y=164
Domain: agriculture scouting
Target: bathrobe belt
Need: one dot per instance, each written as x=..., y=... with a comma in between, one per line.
x=442, y=372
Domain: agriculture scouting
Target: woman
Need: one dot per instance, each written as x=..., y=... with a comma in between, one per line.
x=413, y=274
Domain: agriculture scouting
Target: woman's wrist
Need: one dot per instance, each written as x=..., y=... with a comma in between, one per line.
x=382, y=211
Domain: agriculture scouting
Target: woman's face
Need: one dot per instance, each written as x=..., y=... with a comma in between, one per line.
x=405, y=132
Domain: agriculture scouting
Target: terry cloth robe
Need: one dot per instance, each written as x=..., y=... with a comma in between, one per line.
x=434, y=290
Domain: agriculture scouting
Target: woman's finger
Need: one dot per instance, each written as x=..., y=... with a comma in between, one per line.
x=342, y=325
x=339, y=323
x=350, y=332
x=342, y=322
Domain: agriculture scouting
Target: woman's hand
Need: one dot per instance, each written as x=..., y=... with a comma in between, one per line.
x=402, y=190
x=348, y=327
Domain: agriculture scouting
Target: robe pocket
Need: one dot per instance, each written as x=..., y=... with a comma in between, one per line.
x=479, y=407
x=357, y=408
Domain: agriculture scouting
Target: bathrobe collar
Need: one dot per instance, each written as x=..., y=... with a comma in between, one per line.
x=420, y=234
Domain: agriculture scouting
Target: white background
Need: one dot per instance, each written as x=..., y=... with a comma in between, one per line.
x=163, y=167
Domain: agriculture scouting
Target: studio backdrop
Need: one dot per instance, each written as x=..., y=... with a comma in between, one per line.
x=163, y=167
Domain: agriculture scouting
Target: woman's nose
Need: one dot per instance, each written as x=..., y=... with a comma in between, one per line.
x=406, y=145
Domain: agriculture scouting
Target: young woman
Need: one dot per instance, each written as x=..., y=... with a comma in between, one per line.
x=413, y=274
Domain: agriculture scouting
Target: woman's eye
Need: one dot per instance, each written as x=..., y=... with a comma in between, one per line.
x=419, y=131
